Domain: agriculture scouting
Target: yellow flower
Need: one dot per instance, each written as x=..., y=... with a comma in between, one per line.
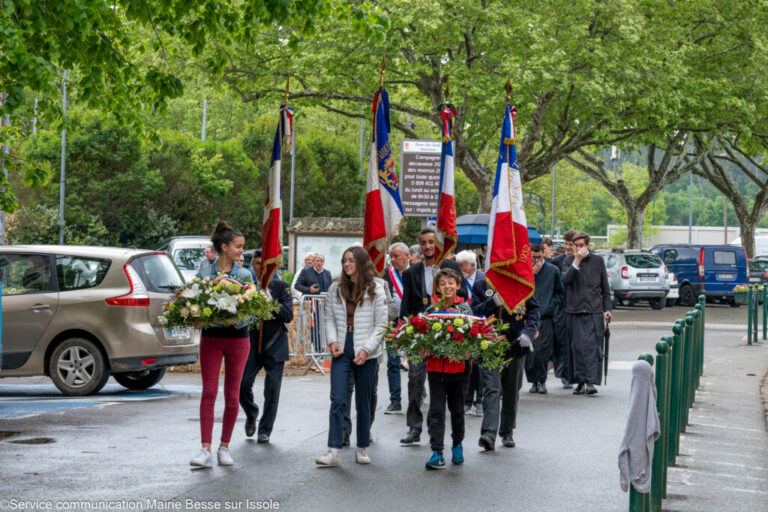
x=484, y=345
x=436, y=326
x=207, y=312
x=458, y=322
x=194, y=309
x=409, y=329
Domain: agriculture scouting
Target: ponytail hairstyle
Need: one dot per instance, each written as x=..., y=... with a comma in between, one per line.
x=354, y=292
x=223, y=234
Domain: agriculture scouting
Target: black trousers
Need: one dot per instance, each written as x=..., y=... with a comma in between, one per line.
x=417, y=377
x=473, y=387
x=509, y=380
x=272, y=382
x=536, y=362
x=348, y=407
x=561, y=349
x=445, y=387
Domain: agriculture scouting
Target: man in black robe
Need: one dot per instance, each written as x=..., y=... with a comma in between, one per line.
x=588, y=308
x=561, y=350
x=549, y=294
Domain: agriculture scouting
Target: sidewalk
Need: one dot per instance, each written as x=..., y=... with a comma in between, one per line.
x=724, y=453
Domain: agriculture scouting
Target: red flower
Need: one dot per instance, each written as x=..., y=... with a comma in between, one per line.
x=474, y=331
x=458, y=337
x=449, y=328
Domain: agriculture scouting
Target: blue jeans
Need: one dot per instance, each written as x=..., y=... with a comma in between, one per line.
x=393, y=375
x=363, y=375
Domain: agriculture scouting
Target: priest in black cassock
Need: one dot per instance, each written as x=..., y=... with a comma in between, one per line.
x=588, y=308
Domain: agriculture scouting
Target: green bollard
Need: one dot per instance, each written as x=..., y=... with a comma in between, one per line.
x=677, y=392
x=697, y=362
x=659, y=452
x=765, y=312
x=749, y=315
x=667, y=428
x=640, y=502
x=703, y=302
x=688, y=368
x=755, y=324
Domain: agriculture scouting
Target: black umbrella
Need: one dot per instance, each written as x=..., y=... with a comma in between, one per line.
x=606, y=347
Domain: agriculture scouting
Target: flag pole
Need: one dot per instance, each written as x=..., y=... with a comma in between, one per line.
x=382, y=70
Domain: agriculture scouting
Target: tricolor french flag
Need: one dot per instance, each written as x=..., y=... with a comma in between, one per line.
x=447, y=236
x=508, y=268
x=383, y=209
x=272, y=230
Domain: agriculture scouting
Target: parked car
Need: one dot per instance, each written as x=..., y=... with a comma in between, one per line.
x=186, y=252
x=635, y=275
x=674, y=289
x=81, y=314
x=248, y=259
x=758, y=270
x=711, y=270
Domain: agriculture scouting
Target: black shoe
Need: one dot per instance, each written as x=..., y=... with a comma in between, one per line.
x=566, y=384
x=250, y=427
x=345, y=442
x=413, y=437
x=487, y=443
x=542, y=388
x=263, y=438
x=591, y=389
x=534, y=388
x=394, y=408
x=508, y=441
x=579, y=389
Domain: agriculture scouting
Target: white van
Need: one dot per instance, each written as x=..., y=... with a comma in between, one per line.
x=761, y=245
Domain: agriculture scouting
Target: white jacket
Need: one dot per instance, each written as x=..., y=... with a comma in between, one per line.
x=369, y=322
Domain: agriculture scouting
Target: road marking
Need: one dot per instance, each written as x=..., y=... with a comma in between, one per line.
x=718, y=475
x=27, y=409
x=714, y=326
x=728, y=427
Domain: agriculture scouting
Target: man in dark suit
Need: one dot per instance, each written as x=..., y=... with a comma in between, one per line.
x=393, y=276
x=417, y=295
x=269, y=350
x=312, y=281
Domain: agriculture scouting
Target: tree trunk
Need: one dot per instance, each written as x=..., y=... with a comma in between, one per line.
x=747, y=225
x=635, y=219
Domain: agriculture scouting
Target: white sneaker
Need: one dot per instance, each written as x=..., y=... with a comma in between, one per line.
x=225, y=459
x=361, y=456
x=204, y=459
x=331, y=458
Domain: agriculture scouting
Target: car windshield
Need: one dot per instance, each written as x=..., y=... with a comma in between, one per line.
x=157, y=273
x=761, y=265
x=189, y=257
x=643, y=260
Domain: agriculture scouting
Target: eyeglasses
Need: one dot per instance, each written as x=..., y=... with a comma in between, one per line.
x=347, y=260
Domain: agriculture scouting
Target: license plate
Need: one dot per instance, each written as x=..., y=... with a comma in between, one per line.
x=177, y=332
x=726, y=277
x=754, y=279
x=644, y=279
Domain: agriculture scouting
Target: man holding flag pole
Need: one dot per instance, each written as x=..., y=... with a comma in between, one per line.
x=269, y=339
x=509, y=272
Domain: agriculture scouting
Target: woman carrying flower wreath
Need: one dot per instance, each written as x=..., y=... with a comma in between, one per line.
x=446, y=377
x=231, y=343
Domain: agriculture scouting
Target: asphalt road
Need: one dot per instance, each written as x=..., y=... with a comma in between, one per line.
x=136, y=447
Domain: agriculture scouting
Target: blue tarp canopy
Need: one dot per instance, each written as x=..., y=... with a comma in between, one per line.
x=473, y=229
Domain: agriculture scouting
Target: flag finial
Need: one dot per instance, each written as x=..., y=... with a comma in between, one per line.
x=381, y=71
x=287, y=90
x=508, y=88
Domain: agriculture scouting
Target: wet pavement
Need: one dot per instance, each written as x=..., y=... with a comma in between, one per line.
x=135, y=446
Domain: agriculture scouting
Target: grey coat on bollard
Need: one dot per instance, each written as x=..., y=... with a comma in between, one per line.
x=642, y=430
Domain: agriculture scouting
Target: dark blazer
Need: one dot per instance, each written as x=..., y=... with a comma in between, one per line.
x=274, y=339
x=587, y=289
x=309, y=276
x=414, y=291
x=528, y=324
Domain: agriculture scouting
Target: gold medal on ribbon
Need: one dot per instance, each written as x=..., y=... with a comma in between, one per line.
x=426, y=301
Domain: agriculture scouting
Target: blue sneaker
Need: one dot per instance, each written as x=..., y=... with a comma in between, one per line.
x=458, y=455
x=435, y=462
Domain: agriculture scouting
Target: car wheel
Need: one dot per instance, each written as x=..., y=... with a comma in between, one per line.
x=734, y=304
x=657, y=303
x=628, y=302
x=77, y=367
x=140, y=380
x=687, y=296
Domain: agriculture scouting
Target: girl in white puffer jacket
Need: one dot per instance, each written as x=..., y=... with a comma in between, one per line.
x=355, y=311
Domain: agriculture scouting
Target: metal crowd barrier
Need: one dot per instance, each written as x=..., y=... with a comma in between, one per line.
x=310, y=330
x=679, y=366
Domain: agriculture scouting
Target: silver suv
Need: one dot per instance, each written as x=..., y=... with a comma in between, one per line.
x=186, y=252
x=635, y=275
x=81, y=314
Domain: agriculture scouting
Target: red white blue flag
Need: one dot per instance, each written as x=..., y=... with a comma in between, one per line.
x=272, y=230
x=383, y=209
x=446, y=204
x=508, y=268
